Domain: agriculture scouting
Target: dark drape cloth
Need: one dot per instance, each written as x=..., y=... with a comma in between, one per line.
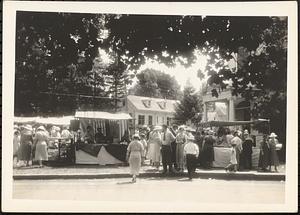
x=91, y=149
x=166, y=154
x=118, y=151
x=208, y=149
x=173, y=146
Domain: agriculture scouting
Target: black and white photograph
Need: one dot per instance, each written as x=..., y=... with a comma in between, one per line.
x=149, y=107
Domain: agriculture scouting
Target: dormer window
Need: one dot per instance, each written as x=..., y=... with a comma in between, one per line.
x=147, y=103
x=162, y=104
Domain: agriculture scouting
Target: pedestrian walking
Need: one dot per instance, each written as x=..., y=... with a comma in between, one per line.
x=273, y=152
x=236, y=140
x=154, y=143
x=181, y=139
x=166, y=150
x=191, y=152
x=265, y=154
x=41, y=141
x=174, y=130
x=134, y=154
x=26, y=141
x=232, y=166
x=246, y=155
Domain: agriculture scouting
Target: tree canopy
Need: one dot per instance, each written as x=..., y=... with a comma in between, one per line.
x=156, y=84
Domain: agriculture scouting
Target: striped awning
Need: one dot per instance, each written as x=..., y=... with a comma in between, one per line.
x=102, y=115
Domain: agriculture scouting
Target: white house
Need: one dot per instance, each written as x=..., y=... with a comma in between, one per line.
x=150, y=111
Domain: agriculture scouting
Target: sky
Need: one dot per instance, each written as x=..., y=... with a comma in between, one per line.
x=181, y=74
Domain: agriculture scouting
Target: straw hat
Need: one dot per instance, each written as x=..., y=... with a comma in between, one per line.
x=273, y=135
x=181, y=127
x=246, y=132
x=16, y=127
x=210, y=132
x=42, y=128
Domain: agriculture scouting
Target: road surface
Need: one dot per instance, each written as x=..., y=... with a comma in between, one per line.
x=153, y=189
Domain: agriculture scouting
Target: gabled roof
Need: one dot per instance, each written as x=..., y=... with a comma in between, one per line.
x=157, y=105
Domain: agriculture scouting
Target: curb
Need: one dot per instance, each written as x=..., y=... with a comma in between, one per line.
x=202, y=175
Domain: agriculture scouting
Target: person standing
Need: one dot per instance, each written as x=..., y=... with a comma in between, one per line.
x=246, y=156
x=26, y=141
x=265, y=154
x=174, y=130
x=273, y=153
x=41, y=141
x=16, y=144
x=236, y=140
x=134, y=154
x=154, y=147
x=228, y=138
x=232, y=166
x=144, y=143
x=208, y=150
x=166, y=150
x=89, y=136
x=181, y=139
x=191, y=152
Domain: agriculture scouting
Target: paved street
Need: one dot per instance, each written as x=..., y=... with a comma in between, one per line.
x=153, y=189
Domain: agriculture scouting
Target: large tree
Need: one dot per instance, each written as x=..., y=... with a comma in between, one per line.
x=189, y=106
x=154, y=83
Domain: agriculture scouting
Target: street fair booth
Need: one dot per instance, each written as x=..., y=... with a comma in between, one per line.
x=100, y=137
x=221, y=152
x=60, y=149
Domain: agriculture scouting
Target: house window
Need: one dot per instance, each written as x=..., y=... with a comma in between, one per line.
x=150, y=120
x=141, y=120
x=169, y=119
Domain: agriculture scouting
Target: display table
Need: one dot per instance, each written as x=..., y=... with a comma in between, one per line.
x=101, y=154
x=222, y=156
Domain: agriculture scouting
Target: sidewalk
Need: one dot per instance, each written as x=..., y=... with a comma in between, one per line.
x=113, y=171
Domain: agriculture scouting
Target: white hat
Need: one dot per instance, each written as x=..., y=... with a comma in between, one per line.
x=41, y=128
x=246, y=132
x=181, y=127
x=191, y=137
x=211, y=132
x=273, y=135
x=157, y=128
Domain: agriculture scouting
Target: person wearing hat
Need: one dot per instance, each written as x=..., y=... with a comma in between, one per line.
x=246, y=154
x=26, y=141
x=191, y=152
x=41, y=141
x=145, y=145
x=16, y=143
x=166, y=149
x=232, y=166
x=237, y=141
x=208, y=149
x=135, y=151
x=154, y=143
x=273, y=153
x=181, y=139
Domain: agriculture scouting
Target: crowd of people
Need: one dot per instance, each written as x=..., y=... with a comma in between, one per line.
x=32, y=143
x=176, y=148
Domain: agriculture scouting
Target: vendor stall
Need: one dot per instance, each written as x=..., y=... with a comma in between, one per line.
x=222, y=154
x=100, y=137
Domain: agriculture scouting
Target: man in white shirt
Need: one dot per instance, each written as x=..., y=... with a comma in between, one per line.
x=191, y=152
x=166, y=150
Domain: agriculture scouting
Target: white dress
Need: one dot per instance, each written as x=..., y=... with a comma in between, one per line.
x=135, y=150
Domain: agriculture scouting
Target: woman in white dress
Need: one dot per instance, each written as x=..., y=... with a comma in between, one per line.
x=40, y=141
x=154, y=146
x=134, y=154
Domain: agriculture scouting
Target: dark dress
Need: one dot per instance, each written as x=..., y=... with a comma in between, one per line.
x=246, y=156
x=265, y=155
x=208, y=151
x=25, y=149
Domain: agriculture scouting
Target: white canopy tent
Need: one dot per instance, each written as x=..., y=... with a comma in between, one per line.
x=65, y=120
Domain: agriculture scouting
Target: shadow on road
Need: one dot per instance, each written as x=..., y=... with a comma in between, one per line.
x=125, y=182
